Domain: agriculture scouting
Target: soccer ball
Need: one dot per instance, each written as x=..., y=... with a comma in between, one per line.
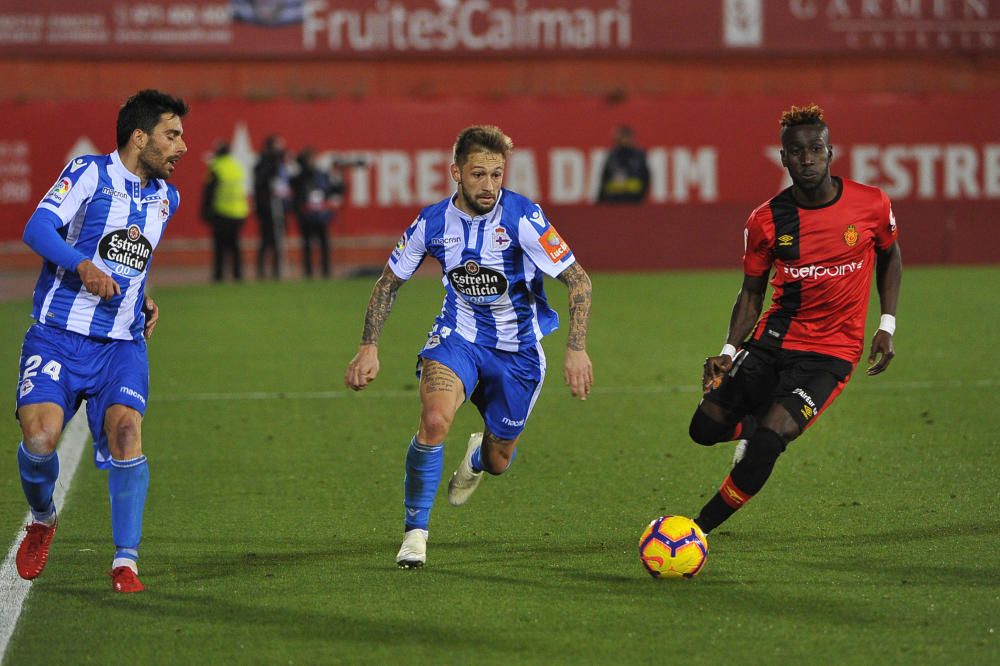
x=673, y=547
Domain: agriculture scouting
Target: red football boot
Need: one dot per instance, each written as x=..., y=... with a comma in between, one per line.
x=33, y=552
x=123, y=579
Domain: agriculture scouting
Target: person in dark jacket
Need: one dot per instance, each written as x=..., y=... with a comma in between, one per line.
x=625, y=177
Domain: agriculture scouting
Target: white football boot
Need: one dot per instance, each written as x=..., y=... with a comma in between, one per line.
x=464, y=481
x=413, y=553
x=740, y=452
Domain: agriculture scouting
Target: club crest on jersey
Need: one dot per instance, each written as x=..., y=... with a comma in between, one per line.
x=851, y=235
x=126, y=251
x=26, y=387
x=553, y=244
x=164, y=210
x=60, y=190
x=501, y=241
x=479, y=285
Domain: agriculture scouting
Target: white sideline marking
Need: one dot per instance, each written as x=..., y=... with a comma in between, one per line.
x=854, y=386
x=14, y=589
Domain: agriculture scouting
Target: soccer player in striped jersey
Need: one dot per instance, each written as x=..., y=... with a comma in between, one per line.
x=96, y=230
x=495, y=248
x=823, y=237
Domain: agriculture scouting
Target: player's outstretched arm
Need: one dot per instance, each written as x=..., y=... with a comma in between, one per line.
x=577, y=368
x=364, y=367
x=746, y=311
x=888, y=278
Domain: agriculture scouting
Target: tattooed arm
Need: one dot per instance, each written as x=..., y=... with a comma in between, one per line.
x=364, y=367
x=577, y=369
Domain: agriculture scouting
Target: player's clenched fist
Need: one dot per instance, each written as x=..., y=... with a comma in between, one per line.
x=96, y=281
x=715, y=369
x=363, y=368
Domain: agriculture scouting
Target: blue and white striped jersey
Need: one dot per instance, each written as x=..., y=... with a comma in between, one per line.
x=493, y=265
x=112, y=220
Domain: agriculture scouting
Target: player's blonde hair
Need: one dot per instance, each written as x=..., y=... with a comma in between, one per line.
x=489, y=138
x=802, y=115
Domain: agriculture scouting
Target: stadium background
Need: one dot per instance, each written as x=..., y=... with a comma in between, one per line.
x=907, y=87
x=877, y=541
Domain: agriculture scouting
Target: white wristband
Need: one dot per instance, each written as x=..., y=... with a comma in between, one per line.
x=728, y=350
x=887, y=323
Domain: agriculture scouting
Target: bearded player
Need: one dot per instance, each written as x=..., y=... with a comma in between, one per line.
x=96, y=230
x=823, y=238
x=495, y=248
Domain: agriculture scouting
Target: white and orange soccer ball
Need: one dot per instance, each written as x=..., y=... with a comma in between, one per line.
x=673, y=547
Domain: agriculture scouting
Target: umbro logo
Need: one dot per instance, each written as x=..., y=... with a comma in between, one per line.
x=75, y=166
x=411, y=512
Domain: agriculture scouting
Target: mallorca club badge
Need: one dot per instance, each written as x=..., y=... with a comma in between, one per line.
x=851, y=235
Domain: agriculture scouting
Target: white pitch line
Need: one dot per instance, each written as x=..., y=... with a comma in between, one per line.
x=855, y=386
x=13, y=589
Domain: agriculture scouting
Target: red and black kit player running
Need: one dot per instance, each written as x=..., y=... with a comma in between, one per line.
x=822, y=237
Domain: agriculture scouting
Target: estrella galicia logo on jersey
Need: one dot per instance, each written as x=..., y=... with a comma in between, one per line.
x=786, y=240
x=477, y=284
x=126, y=251
x=60, y=190
x=851, y=235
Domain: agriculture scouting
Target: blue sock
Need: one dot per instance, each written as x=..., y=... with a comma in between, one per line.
x=423, y=474
x=477, y=463
x=128, y=481
x=38, y=479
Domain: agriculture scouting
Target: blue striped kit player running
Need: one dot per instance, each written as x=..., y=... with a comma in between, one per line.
x=96, y=230
x=495, y=248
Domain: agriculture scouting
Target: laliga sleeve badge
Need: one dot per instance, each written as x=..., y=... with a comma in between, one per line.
x=60, y=190
x=397, y=251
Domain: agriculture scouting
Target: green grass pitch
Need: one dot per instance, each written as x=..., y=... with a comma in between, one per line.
x=275, y=509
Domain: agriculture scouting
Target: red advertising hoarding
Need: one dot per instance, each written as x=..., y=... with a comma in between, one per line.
x=712, y=161
x=537, y=28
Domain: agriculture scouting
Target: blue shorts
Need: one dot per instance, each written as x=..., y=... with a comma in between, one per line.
x=503, y=385
x=66, y=368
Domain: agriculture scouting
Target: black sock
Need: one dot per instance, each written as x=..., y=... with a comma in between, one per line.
x=746, y=480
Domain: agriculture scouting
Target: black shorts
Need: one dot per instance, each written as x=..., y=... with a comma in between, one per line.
x=804, y=383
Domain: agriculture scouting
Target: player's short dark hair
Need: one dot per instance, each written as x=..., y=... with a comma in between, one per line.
x=802, y=115
x=477, y=138
x=143, y=110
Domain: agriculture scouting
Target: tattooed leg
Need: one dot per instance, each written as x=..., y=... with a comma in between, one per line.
x=441, y=394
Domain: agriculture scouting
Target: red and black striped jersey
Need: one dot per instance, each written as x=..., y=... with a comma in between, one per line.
x=823, y=259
